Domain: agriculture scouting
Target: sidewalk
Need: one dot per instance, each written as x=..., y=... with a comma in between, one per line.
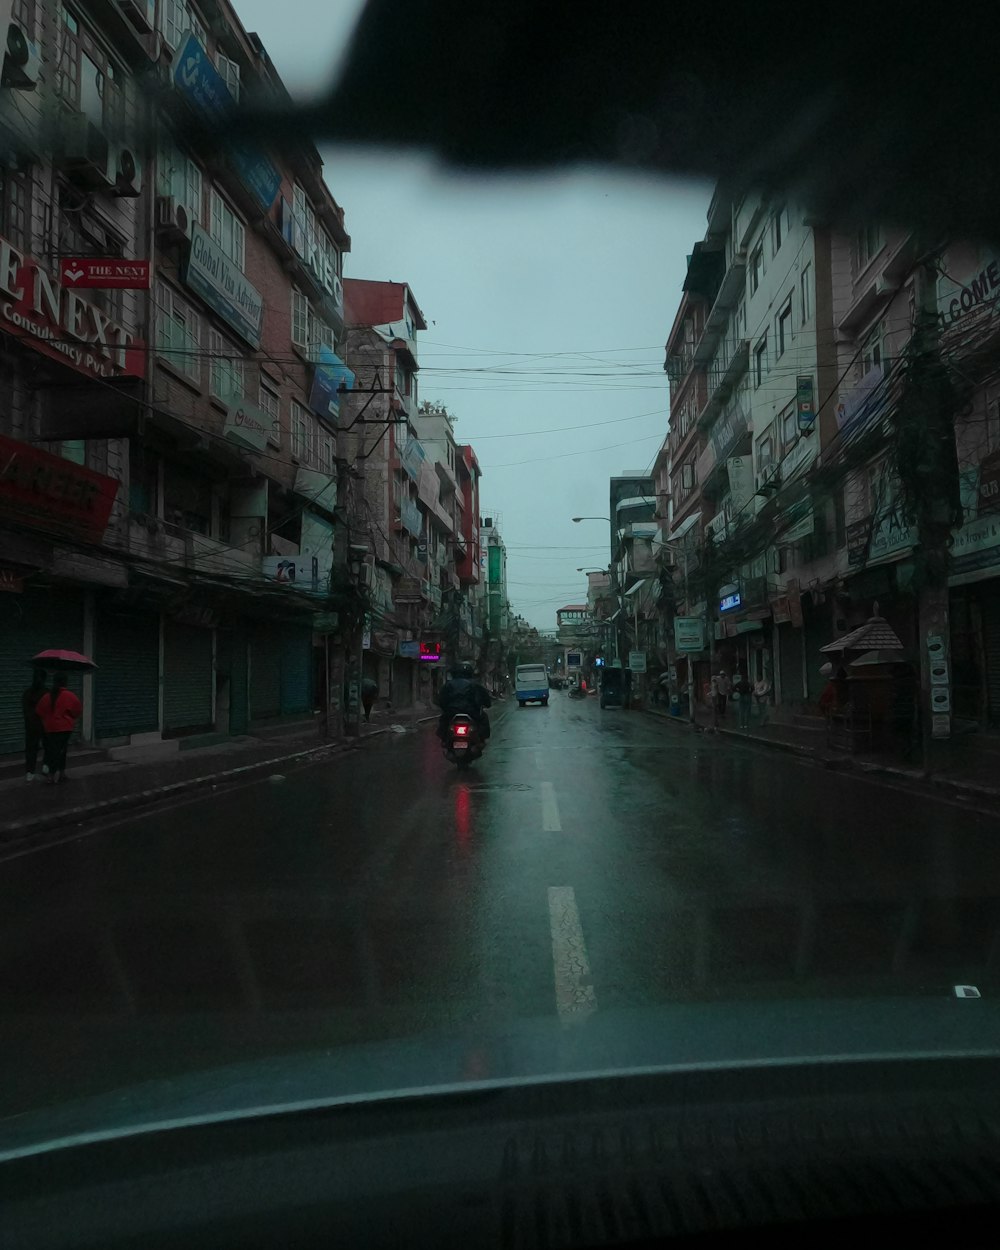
x=98, y=785
x=976, y=778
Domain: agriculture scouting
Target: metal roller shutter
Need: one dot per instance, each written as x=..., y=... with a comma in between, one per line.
x=296, y=669
x=990, y=607
x=187, y=677
x=265, y=671
x=29, y=623
x=790, y=659
x=127, y=682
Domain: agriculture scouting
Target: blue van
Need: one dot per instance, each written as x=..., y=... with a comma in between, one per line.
x=531, y=684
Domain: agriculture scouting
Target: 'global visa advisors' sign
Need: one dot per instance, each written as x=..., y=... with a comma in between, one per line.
x=222, y=285
x=60, y=323
x=51, y=494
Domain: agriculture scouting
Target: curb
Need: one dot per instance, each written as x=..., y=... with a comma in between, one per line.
x=956, y=789
x=17, y=831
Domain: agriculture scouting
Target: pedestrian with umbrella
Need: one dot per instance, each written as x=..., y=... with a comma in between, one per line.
x=59, y=709
x=33, y=732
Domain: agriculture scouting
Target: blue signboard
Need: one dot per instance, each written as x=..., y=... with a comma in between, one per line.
x=730, y=602
x=222, y=286
x=409, y=650
x=331, y=373
x=410, y=516
x=412, y=458
x=198, y=79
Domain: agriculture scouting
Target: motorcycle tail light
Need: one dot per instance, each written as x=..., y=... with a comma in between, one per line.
x=461, y=730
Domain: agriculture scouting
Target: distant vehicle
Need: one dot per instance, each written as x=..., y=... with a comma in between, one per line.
x=556, y=683
x=613, y=687
x=531, y=684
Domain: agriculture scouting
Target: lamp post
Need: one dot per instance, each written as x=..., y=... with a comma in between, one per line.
x=576, y=521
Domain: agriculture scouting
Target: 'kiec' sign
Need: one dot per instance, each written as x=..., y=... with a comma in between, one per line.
x=104, y=273
x=60, y=323
x=54, y=495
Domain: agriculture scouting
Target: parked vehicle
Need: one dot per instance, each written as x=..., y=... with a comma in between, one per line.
x=531, y=684
x=464, y=745
x=613, y=687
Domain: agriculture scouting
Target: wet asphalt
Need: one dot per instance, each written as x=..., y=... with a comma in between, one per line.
x=594, y=861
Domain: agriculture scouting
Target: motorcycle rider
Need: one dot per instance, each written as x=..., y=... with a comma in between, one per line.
x=463, y=693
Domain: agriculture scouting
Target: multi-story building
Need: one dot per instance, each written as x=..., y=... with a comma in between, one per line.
x=169, y=353
x=632, y=503
x=469, y=554
x=496, y=625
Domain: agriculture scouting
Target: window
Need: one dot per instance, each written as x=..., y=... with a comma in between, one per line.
x=301, y=433
x=178, y=332
x=180, y=178
x=869, y=240
x=226, y=371
x=230, y=74
x=300, y=319
x=806, y=285
x=320, y=334
x=326, y=455
x=756, y=267
x=760, y=361
x=15, y=207
x=176, y=19
x=687, y=476
x=86, y=78
x=784, y=327
x=270, y=403
x=780, y=227
x=871, y=349
x=227, y=230
x=765, y=452
x=788, y=424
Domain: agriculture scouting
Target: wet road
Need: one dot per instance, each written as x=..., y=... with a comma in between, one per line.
x=593, y=862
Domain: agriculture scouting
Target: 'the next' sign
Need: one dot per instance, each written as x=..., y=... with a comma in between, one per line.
x=222, y=285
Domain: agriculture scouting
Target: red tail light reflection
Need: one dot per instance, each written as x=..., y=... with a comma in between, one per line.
x=461, y=730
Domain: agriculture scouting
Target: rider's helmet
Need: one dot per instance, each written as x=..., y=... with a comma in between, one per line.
x=465, y=668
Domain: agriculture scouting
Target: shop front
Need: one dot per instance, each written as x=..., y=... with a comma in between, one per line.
x=188, y=678
x=975, y=621
x=126, y=684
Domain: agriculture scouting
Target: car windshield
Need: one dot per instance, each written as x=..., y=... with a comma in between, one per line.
x=365, y=366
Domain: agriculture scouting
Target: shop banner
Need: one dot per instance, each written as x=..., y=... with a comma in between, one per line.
x=248, y=426
x=48, y=493
x=740, y=484
x=224, y=287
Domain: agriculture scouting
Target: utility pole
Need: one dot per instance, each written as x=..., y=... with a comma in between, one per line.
x=935, y=485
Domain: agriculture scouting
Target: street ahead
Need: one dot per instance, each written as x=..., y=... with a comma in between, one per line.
x=592, y=863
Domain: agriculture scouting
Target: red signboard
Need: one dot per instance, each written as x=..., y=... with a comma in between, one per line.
x=430, y=651
x=48, y=493
x=58, y=322
x=104, y=273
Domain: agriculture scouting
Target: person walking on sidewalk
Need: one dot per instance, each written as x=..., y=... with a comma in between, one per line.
x=369, y=692
x=33, y=732
x=723, y=686
x=742, y=693
x=59, y=710
x=762, y=697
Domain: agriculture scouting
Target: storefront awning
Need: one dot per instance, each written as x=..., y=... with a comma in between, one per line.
x=685, y=526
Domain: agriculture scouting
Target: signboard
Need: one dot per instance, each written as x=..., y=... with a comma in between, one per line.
x=740, y=483
x=989, y=483
x=637, y=661
x=301, y=571
x=975, y=549
x=48, y=493
x=574, y=659
x=319, y=488
x=805, y=402
x=864, y=402
x=197, y=79
x=104, y=273
x=412, y=458
x=889, y=536
x=61, y=324
x=729, y=603
x=689, y=633
x=319, y=262
x=223, y=286
x=781, y=611
x=409, y=650
x=727, y=432
x=430, y=652
x=248, y=426
x=957, y=299
x=410, y=517
x=331, y=373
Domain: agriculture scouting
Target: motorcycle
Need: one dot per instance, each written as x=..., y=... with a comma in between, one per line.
x=463, y=744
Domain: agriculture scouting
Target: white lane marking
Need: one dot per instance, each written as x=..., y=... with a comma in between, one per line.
x=575, y=998
x=550, y=809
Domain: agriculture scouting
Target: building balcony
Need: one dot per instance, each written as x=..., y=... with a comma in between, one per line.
x=725, y=381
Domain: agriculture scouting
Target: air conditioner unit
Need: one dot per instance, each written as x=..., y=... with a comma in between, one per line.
x=141, y=14
x=368, y=579
x=85, y=151
x=128, y=174
x=173, y=221
x=22, y=62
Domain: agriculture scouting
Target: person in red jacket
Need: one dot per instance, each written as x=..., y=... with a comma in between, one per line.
x=59, y=710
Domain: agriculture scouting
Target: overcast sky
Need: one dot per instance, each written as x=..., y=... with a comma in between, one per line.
x=548, y=300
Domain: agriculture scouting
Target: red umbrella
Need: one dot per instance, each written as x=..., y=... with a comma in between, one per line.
x=71, y=661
